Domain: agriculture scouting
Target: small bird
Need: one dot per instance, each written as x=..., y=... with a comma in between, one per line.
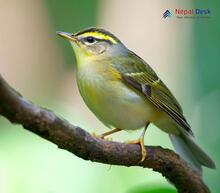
x=125, y=93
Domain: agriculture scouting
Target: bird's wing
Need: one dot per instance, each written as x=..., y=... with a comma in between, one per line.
x=139, y=75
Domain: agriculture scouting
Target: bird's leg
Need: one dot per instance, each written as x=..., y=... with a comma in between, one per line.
x=107, y=133
x=141, y=142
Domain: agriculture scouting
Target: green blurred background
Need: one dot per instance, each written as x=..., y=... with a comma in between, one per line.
x=40, y=65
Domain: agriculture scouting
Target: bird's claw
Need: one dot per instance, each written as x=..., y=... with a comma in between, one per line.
x=143, y=149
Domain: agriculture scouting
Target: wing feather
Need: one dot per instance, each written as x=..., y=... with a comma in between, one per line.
x=139, y=75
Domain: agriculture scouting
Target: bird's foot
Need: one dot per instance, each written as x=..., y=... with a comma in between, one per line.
x=96, y=135
x=143, y=149
x=101, y=136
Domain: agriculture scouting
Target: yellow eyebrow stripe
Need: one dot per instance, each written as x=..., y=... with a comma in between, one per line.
x=99, y=35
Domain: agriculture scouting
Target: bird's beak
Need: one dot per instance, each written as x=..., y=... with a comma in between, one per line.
x=66, y=35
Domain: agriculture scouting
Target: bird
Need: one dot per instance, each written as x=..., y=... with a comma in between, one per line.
x=125, y=93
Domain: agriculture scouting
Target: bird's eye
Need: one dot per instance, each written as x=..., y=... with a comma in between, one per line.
x=90, y=39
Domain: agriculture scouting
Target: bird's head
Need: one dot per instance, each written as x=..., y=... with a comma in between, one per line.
x=94, y=42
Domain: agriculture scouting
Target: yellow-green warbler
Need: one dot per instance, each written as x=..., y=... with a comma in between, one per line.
x=124, y=92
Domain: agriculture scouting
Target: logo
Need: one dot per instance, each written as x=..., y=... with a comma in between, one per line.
x=166, y=14
x=187, y=13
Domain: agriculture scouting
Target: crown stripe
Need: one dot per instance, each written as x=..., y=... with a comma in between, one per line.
x=99, y=33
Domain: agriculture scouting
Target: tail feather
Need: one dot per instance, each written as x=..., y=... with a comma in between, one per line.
x=186, y=146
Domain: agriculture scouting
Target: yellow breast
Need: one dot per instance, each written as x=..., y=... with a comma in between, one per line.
x=115, y=104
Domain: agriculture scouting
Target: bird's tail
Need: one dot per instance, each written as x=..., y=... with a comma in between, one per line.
x=187, y=148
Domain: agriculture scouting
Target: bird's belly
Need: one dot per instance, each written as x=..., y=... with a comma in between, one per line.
x=116, y=105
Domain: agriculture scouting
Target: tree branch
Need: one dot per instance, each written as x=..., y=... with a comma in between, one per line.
x=46, y=124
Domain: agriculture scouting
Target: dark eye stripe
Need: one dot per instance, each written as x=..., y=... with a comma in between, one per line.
x=91, y=39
